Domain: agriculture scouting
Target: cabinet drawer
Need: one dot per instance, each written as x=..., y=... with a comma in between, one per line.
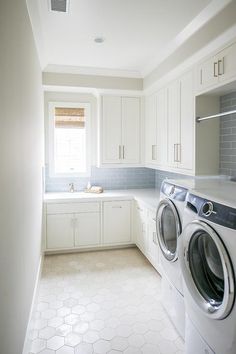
x=67, y=208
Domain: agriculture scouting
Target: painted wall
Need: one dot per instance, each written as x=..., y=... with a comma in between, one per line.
x=21, y=137
x=94, y=81
x=228, y=136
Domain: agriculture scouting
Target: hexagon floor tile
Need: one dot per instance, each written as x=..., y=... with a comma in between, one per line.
x=101, y=302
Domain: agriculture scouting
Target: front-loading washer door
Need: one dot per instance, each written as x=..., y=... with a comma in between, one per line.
x=207, y=269
x=168, y=229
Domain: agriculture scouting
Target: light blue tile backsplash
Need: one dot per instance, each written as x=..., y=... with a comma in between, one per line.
x=108, y=178
x=161, y=175
x=228, y=136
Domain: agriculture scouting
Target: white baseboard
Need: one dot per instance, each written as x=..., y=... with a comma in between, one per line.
x=27, y=342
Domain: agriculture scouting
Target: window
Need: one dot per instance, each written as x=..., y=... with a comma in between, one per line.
x=69, y=139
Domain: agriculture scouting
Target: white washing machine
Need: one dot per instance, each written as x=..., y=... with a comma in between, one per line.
x=207, y=253
x=169, y=227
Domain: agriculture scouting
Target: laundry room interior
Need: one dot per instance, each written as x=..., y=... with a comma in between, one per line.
x=118, y=175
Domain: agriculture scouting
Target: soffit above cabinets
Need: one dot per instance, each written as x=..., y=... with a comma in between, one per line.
x=136, y=33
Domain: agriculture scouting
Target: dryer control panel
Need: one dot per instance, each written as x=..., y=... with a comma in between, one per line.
x=217, y=213
x=174, y=192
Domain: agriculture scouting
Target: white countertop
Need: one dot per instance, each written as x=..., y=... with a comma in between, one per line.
x=148, y=196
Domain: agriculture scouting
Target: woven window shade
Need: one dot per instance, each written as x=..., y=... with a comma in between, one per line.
x=69, y=117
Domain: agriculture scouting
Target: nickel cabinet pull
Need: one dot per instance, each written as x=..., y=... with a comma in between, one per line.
x=154, y=152
x=178, y=152
x=221, y=66
x=116, y=207
x=119, y=152
x=175, y=153
x=123, y=151
x=215, y=64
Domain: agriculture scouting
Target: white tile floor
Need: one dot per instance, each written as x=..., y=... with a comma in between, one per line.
x=102, y=302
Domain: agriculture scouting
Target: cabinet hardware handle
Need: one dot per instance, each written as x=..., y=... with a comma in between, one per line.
x=123, y=152
x=119, y=152
x=175, y=153
x=221, y=61
x=153, y=152
x=215, y=64
x=116, y=206
x=179, y=152
x=140, y=209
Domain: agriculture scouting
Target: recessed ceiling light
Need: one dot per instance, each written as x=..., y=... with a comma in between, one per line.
x=99, y=40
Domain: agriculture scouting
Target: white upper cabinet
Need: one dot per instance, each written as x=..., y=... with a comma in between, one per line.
x=120, y=138
x=217, y=69
x=173, y=124
x=181, y=123
x=151, y=134
x=187, y=123
x=111, y=129
x=130, y=130
x=156, y=129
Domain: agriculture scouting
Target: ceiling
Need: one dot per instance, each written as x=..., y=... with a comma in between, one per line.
x=138, y=33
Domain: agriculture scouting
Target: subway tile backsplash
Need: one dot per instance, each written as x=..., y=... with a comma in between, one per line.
x=228, y=136
x=108, y=178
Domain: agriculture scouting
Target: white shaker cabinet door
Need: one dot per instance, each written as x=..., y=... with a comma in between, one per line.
x=130, y=130
x=186, y=146
x=111, y=129
x=161, y=127
x=117, y=222
x=60, y=231
x=87, y=229
x=150, y=125
x=173, y=123
x=227, y=63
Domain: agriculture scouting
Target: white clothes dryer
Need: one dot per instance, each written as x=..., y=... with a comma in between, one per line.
x=207, y=253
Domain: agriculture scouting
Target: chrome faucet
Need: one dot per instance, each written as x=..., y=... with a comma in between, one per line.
x=72, y=188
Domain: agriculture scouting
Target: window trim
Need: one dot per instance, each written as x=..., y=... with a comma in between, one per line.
x=51, y=108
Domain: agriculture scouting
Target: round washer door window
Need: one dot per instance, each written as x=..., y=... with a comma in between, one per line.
x=208, y=271
x=168, y=229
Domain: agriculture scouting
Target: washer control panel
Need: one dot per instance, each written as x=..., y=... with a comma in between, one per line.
x=217, y=213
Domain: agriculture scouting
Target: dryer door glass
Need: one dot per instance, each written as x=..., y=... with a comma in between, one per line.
x=206, y=267
x=168, y=229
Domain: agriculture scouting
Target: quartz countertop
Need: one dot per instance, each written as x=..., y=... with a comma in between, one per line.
x=148, y=196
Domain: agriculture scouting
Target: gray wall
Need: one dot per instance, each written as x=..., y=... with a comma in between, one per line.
x=21, y=156
x=228, y=136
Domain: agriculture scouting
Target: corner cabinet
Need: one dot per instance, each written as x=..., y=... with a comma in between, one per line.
x=120, y=130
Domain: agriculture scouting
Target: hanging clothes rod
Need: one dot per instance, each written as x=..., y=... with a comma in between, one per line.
x=198, y=119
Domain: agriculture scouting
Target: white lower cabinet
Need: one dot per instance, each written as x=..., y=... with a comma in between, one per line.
x=140, y=225
x=60, y=231
x=153, y=246
x=116, y=222
x=87, y=229
x=71, y=225
x=145, y=234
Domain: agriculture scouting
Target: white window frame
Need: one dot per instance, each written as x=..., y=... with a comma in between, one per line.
x=51, y=141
